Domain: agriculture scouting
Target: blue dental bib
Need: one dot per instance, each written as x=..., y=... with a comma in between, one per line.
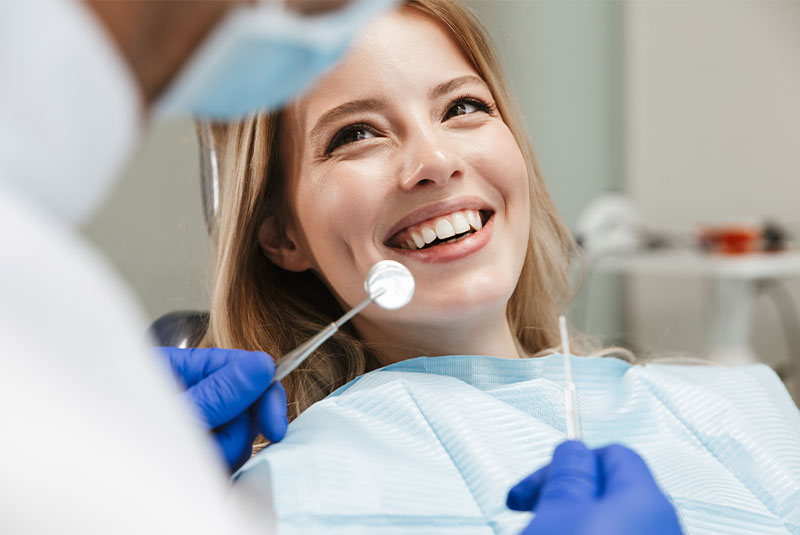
x=432, y=445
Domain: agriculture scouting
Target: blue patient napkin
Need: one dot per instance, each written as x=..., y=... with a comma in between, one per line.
x=432, y=445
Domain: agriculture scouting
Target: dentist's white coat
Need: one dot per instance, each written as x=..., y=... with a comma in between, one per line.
x=93, y=438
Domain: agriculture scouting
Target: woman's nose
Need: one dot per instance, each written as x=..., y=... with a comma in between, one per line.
x=431, y=161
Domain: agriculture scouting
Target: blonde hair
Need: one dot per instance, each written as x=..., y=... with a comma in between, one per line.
x=256, y=305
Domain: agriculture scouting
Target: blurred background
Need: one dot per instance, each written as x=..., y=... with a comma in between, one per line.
x=689, y=109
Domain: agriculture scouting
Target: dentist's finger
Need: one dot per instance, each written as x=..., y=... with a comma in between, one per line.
x=622, y=468
x=523, y=495
x=270, y=413
x=572, y=476
x=235, y=439
x=232, y=389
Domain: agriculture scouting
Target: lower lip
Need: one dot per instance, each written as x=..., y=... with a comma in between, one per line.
x=449, y=252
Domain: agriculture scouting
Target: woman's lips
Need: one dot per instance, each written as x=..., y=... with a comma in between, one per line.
x=441, y=228
x=448, y=252
x=434, y=210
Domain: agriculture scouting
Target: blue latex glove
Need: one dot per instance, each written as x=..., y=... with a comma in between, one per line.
x=608, y=491
x=228, y=388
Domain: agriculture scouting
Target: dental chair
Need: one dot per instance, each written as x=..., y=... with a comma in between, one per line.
x=184, y=328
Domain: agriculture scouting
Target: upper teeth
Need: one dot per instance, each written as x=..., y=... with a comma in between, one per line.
x=443, y=227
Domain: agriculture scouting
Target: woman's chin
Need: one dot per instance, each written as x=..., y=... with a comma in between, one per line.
x=453, y=315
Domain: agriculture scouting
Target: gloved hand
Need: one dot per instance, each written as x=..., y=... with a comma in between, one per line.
x=608, y=491
x=228, y=387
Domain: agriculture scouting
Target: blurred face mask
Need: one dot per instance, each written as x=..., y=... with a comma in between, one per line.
x=68, y=146
x=261, y=56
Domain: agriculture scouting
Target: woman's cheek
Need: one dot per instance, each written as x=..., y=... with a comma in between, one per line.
x=507, y=160
x=341, y=208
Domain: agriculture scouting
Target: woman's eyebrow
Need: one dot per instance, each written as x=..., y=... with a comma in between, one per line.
x=455, y=83
x=348, y=108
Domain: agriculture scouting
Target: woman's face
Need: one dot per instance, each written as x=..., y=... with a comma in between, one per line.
x=399, y=153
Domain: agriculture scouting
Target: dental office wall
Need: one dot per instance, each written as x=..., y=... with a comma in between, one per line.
x=563, y=62
x=152, y=227
x=712, y=94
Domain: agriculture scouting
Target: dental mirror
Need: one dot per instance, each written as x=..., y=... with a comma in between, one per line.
x=388, y=283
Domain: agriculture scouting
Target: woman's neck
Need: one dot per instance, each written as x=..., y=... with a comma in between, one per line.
x=489, y=336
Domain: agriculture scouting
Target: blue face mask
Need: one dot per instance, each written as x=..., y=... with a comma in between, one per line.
x=260, y=57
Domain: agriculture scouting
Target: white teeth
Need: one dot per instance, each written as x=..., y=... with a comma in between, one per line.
x=460, y=223
x=475, y=220
x=444, y=229
x=418, y=241
x=428, y=234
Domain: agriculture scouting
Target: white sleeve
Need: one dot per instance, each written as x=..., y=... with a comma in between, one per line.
x=94, y=439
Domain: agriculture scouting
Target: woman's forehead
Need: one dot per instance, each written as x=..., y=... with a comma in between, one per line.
x=400, y=55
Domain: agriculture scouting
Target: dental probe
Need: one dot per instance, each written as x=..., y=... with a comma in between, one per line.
x=388, y=283
x=570, y=393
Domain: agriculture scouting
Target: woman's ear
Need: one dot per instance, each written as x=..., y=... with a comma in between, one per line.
x=280, y=247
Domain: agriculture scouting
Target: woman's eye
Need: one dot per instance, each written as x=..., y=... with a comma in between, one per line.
x=464, y=106
x=349, y=134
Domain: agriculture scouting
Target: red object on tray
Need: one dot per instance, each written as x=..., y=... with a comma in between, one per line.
x=732, y=239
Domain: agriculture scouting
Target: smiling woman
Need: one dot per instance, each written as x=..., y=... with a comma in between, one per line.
x=433, y=150
x=410, y=150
